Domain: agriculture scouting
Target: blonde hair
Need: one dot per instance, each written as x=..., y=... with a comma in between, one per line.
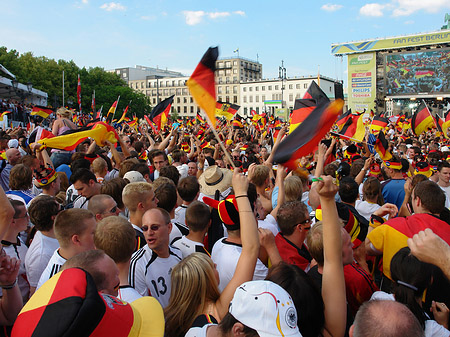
x=260, y=175
x=134, y=193
x=69, y=223
x=194, y=285
x=99, y=165
x=65, y=113
x=293, y=188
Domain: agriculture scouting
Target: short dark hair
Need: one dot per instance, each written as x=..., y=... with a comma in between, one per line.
x=20, y=178
x=41, y=210
x=431, y=196
x=79, y=164
x=142, y=168
x=188, y=188
x=443, y=164
x=177, y=155
x=167, y=196
x=348, y=190
x=156, y=153
x=170, y=172
x=197, y=216
x=83, y=175
x=290, y=214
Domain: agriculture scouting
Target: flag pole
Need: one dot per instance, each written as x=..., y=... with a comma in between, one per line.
x=118, y=98
x=63, y=88
x=213, y=129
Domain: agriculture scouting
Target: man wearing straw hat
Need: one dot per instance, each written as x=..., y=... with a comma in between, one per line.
x=215, y=179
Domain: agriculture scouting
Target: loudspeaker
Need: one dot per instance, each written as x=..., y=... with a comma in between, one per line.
x=338, y=90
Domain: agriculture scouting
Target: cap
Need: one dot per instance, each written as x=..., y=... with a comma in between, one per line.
x=227, y=209
x=69, y=305
x=134, y=176
x=13, y=143
x=45, y=176
x=265, y=307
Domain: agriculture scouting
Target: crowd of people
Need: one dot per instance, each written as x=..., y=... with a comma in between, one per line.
x=165, y=233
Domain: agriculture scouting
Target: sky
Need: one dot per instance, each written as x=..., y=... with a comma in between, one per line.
x=174, y=34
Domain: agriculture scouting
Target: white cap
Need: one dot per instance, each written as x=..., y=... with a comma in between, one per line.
x=444, y=149
x=13, y=143
x=183, y=170
x=134, y=176
x=265, y=307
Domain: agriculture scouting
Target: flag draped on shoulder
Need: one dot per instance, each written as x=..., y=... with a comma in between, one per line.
x=100, y=132
x=160, y=113
x=41, y=111
x=422, y=120
x=302, y=109
x=202, y=86
x=227, y=110
x=305, y=138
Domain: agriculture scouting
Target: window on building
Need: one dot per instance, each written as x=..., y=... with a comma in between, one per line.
x=172, y=91
x=263, y=88
x=250, y=89
x=220, y=80
x=185, y=91
x=228, y=80
x=235, y=79
x=245, y=111
x=297, y=86
x=219, y=90
x=227, y=99
x=173, y=83
x=263, y=98
x=305, y=85
x=154, y=100
x=178, y=91
x=235, y=89
x=235, y=63
x=244, y=89
x=227, y=90
x=124, y=75
x=180, y=83
x=235, y=71
x=118, y=72
x=167, y=83
x=228, y=64
x=185, y=109
x=269, y=87
x=257, y=99
x=178, y=100
x=192, y=109
x=228, y=72
x=235, y=100
x=245, y=99
x=291, y=86
x=256, y=88
x=250, y=99
x=276, y=87
x=191, y=99
x=291, y=97
x=184, y=99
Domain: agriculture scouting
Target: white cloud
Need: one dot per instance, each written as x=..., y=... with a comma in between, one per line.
x=373, y=9
x=331, y=7
x=215, y=15
x=85, y=1
x=112, y=6
x=193, y=17
x=241, y=13
x=408, y=7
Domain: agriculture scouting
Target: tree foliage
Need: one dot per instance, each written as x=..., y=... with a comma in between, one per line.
x=46, y=75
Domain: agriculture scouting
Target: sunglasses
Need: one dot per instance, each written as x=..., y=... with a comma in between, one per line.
x=153, y=228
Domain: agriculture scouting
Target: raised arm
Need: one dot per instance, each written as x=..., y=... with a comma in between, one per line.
x=333, y=283
x=250, y=244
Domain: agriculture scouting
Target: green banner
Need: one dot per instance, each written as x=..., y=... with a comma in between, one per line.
x=391, y=43
x=361, y=82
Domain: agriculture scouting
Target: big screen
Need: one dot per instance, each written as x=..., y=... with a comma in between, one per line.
x=420, y=72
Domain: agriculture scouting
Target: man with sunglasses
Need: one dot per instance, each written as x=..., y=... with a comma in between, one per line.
x=151, y=265
x=103, y=206
x=294, y=222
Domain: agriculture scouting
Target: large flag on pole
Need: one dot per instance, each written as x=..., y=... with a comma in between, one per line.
x=302, y=109
x=124, y=114
x=160, y=113
x=305, y=138
x=41, y=111
x=79, y=93
x=422, y=120
x=314, y=92
x=112, y=109
x=354, y=128
x=202, y=86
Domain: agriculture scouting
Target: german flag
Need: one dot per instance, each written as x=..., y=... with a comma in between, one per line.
x=302, y=109
x=41, y=111
x=381, y=146
x=160, y=112
x=342, y=120
x=227, y=110
x=305, y=138
x=200, y=120
x=237, y=124
x=378, y=124
x=423, y=73
x=202, y=86
x=123, y=115
x=354, y=128
x=3, y=114
x=422, y=120
x=112, y=109
x=446, y=124
x=314, y=92
x=397, y=83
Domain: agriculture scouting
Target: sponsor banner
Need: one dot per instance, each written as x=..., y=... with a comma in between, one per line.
x=361, y=82
x=391, y=43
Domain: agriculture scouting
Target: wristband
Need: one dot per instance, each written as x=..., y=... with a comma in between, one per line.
x=9, y=286
x=240, y=196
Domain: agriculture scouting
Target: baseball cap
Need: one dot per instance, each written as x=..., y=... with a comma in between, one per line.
x=134, y=176
x=69, y=305
x=265, y=307
x=13, y=143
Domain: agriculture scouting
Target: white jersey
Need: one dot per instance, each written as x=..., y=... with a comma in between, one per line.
x=178, y=230
x=187, y=246
x=39, y=253
x=128, y=294
x=19, y=250
x=150, y=274
x=180, y=214
x=226, y=255
x=53, y=267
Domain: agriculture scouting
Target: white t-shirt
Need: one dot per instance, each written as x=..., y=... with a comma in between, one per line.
x=269, y=223
x=39, y=253
x=226, y=255
x=19, y=251
x=128, y=294
x=366, y=209
x=178, y=230
x=198, y=331
x=150, y=274
x=53, y=267
x=180, y=214
x=187, y=246
x=447, y=195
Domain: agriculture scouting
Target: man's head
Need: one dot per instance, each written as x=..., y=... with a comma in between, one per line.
x=192, y=169
x=385, y=319
x=20, y=218
x=85, y=182
x=293, y=217
x=428, y=197
x=348, y=190
x=116, y=237
x=198, y=216
x=139, y=197
x=102, y=206
x=159, y=160
x=43, y=210
x=188, y=189
x=156, y=226
x=444, y=172
x=100, y=167
x=100, y=266
x=74, y=228
x=13, y=156
x=261, y=176
x=20, y=178
x=167, y=197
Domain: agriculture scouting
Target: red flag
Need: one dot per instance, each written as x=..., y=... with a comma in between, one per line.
x=305, y=138
x=202, y=84
x=79, y=93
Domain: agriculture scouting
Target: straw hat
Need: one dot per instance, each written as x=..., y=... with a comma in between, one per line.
x=215, y=178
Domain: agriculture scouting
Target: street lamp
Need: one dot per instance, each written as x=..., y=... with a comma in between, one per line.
x=282, y=77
